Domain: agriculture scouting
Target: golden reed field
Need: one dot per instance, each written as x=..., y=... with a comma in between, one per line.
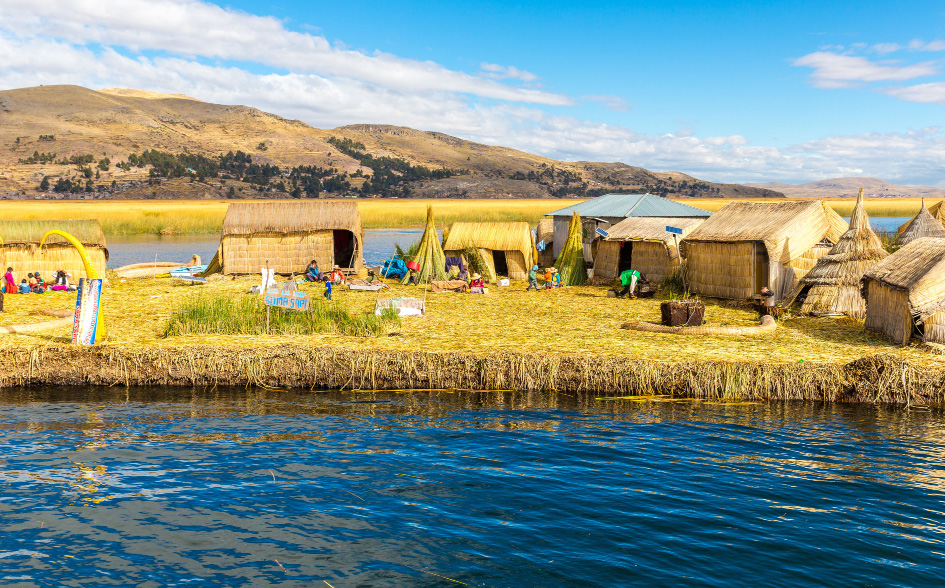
x=126, y=217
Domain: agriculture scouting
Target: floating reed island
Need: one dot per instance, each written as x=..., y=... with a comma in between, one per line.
x=566, y=340
x=160, y=331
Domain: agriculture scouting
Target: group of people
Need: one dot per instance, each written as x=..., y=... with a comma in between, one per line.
x=34, y=283
x=314, y=274
x=552, y=278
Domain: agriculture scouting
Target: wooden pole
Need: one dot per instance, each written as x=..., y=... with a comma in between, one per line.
x=266, y=281
x=682, y=272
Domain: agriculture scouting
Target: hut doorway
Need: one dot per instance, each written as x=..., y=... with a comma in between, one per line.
x=343, y=248
x=761, y=267
x=625, y=261
x=501, y=263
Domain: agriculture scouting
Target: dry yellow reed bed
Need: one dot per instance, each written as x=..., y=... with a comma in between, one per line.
x=568, y=321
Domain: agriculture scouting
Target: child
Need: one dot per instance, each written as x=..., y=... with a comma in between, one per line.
x=9, y=283
x=557, y=279
x=533, y=279
x=328, y=288
x=24, y=287
x=549, y=278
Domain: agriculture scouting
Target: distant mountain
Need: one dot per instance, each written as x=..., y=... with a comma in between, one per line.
x=57, y=123
x=848, y=188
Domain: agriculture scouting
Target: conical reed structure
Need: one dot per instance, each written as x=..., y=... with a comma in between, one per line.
x=429, y=255
x=570, y=262
x=937, y=210
x=835, y=281
x=923, y=225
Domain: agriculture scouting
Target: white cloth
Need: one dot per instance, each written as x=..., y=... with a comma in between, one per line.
x=267, y=279
x=633, y=283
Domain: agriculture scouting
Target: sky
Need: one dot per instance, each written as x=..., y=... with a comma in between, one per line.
x=725, y=91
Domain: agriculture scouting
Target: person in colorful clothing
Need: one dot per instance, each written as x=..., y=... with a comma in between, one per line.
x=557, y=279
x=533, y=279
x=9, y=284
x=549, y=278
x=628, y=279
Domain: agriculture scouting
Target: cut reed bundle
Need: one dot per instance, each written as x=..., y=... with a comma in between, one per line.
x=571, y=261
x=834, y=283
x=429, y=255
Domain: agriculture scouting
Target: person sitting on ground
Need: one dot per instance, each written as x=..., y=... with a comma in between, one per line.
x=549, y=278
x=31, y=280
x=533, y=279
x=62, y=282
x=312, y=273
x=24, y=287
x=9, y=284
x=413, y=278
x=39, y=280
x=628, y=279
x=337, y=276
x=477, y=286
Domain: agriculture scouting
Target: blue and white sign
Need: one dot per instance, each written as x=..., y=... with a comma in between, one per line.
x=291, y=299
x=601, y=232
x=674, y=230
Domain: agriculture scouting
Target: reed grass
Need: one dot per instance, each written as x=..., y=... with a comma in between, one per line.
x=129, y=217
x=245, y=314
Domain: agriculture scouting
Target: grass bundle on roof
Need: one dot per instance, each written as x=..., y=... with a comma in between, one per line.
x=429, y=255
x=243, y=314
x=571, y=260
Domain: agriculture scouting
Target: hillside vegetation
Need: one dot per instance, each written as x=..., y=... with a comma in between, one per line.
x=124, y=143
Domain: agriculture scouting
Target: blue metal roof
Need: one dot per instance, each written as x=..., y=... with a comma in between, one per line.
x=625, y=205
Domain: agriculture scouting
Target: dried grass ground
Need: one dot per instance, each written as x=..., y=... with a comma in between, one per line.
x=563, y=322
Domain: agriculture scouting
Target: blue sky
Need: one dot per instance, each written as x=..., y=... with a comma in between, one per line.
x=786, y=91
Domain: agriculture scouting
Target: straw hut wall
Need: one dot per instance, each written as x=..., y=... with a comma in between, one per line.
x=511, y=240
x=905, y=293
x=21, y=249
x=748, y=245
x=936, y=210
x=288, y=235
x=834, y=283
x=922, y=225
x=641, y=243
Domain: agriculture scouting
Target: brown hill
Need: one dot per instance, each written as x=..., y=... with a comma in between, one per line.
x=114, y=123
x=848, y=188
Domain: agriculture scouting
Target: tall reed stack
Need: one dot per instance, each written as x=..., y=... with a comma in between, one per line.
x=571, y=261
x=430, y=256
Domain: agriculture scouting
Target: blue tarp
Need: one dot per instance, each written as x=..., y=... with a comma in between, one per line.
x=394, y=268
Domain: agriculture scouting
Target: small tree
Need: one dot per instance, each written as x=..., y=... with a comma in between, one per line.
x=44, y=185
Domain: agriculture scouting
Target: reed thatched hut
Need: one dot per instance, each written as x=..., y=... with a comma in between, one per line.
x=642, y=244
x=905, y=293
x=922, y=225
x=507, y=248
x=288, y=235
x=748, y=245
x=833, y=285
x=21, y=249
x=936, y=210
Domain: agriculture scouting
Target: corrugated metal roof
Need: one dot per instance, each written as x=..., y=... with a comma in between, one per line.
x=627, y=205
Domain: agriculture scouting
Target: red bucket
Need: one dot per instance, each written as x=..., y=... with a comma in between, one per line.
x=413, y=265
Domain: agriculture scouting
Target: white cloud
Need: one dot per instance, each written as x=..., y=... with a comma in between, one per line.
x=919, y=45
x=886, y=48
x=843, y=71
x=609, y=101
x=503, y=72
x=933, y=92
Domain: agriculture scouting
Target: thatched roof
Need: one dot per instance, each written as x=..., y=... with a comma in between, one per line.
x=651, y=229
x=788, y=229
x=856, y=251
x=919, y=268
x=923, y=225
x=497, y=236
x=287, y=217
x=88, y=232
x=936, y=210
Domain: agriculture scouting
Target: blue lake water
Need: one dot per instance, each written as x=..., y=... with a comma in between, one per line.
x=128, y=249
x=378, y=244
x=106, y=487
